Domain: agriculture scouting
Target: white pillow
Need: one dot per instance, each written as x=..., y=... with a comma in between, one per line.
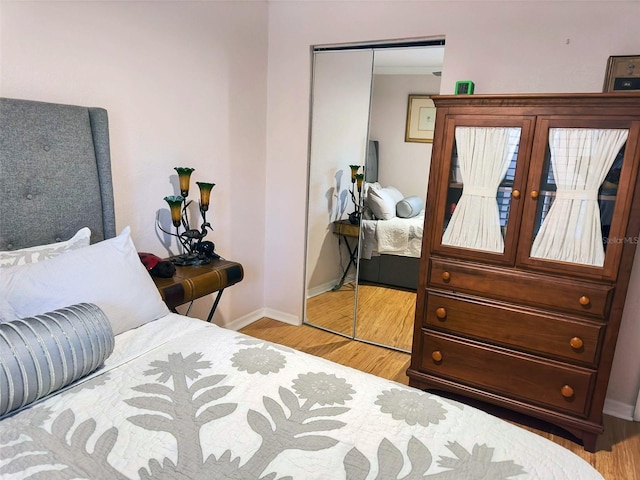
x=394, y=193
x=382, y=202
x=23, y=256
x=409, y=207
x=108, y=274
x=367, y=186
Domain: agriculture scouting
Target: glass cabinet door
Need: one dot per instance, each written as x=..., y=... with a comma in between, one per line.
x=481, y=209
x=577, y=176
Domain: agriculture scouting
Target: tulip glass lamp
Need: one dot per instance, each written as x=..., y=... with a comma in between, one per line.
x=195, y=250
x=357, y=180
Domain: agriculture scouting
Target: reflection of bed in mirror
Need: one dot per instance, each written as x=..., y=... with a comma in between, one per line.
x=397, y=264
x=391, y=231
x=391, y=251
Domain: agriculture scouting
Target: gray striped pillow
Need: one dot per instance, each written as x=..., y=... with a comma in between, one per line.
x=42, y=354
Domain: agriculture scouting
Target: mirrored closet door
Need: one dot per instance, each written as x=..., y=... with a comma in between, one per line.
x=362, y=270
x=339, y=132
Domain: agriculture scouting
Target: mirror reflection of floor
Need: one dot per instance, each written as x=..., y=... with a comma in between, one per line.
x=333, y=310
x=385, y=315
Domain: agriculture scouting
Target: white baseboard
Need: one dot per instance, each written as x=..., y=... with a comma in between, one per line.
x=326, y=287
x=243, y=321
x=248, y=319
x=319, y=289
x=282, y=317
x=618, y=409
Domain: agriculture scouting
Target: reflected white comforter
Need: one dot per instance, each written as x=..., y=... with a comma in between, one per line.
x=396, y=236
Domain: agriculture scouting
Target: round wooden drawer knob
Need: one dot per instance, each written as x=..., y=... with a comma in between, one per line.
x=436, y=355
x=515, y=194
x=446, y=276
x=441, y=313
x=566, y=391
x=534, y=194
x=584, y=301
x=576, y=343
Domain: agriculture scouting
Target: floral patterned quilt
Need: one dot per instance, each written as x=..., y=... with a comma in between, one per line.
x=183, y=399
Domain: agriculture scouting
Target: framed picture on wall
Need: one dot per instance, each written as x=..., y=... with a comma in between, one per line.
x=623, y=73
x=421, y=119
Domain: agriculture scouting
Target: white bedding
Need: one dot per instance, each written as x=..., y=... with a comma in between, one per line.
x=181, y=398
x=396, y=236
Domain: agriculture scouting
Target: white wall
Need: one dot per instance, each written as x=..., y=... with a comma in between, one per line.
x=184, y=84
x=405, y=165
x=504, y=47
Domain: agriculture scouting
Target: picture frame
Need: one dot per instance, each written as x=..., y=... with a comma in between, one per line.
x=421, y=119
x=622, y=74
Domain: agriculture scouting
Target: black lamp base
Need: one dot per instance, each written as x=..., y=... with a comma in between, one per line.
x=354, y=218
x=193, y=259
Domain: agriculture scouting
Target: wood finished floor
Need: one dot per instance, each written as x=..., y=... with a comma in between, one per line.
x=618, y=449
x=334, y=311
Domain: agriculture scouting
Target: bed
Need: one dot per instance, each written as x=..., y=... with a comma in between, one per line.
x=144, y=393
x=391, y=237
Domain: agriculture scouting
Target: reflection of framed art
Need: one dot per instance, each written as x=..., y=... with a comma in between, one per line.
x=623, y=73
x=421, y=119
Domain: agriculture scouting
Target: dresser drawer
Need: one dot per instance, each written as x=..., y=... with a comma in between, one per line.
x=579, y=297
x=511, y=326
x=517, y=376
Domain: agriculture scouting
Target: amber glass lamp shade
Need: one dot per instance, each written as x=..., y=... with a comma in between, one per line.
x=175, y=204
x=359, y=180
x=184, y=175
x=205, y=194
x=354, y=171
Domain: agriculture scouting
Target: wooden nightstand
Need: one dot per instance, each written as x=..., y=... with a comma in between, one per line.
x=346, y=229
x=189, y=283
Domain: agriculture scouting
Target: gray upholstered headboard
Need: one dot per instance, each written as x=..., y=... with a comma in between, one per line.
x=55, y=173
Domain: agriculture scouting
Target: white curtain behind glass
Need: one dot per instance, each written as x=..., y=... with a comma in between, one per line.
x=484, y=155
x=580, y=159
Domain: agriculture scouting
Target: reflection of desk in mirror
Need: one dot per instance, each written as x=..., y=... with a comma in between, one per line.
x=349, y=233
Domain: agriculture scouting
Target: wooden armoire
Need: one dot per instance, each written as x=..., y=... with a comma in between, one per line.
x=531, y=224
